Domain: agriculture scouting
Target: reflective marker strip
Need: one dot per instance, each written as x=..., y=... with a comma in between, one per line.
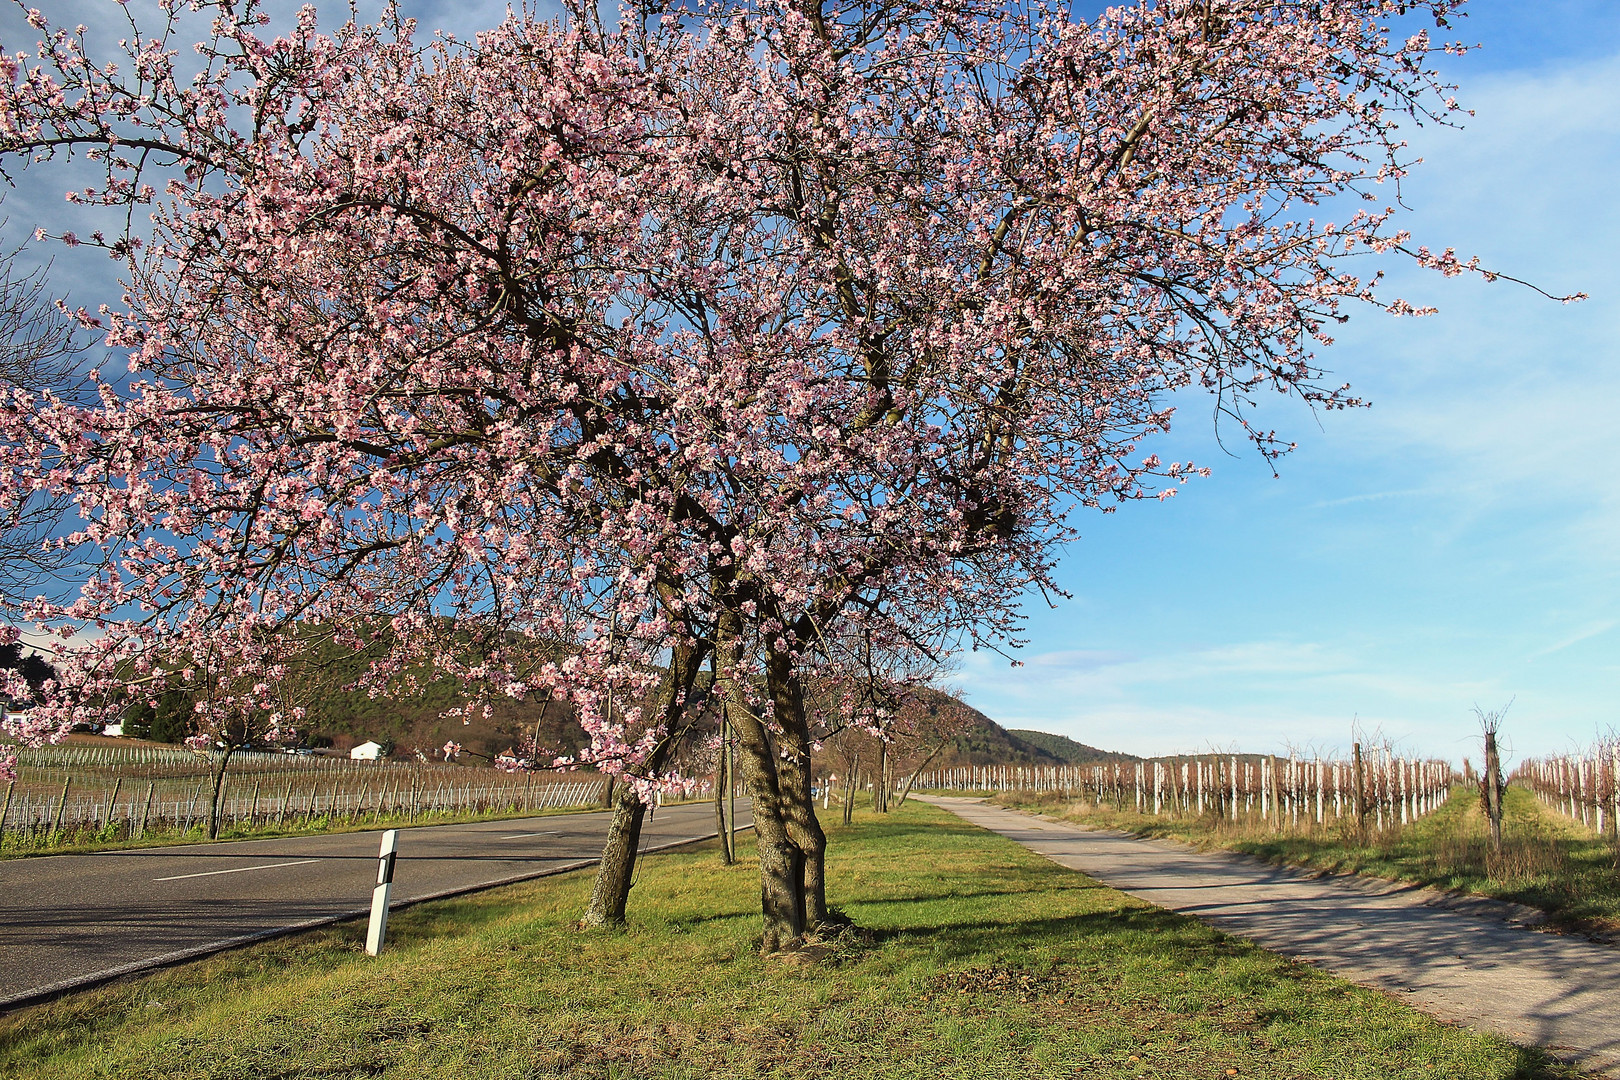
x=377, y=928
x=238, y=870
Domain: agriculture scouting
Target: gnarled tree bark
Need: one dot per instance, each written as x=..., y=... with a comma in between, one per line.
x=616, y=873
x=795, y=782
x=781, y=861
x=218, y=760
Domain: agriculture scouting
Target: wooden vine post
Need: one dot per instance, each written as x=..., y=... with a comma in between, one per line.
x=1276, y=794
x=61, y=805
x=146, y=809
x=1358, y=781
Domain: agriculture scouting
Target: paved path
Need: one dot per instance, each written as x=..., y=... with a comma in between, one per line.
x=1459, y=964
x=73, y=920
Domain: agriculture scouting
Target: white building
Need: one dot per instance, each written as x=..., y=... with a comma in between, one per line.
x=367, y=751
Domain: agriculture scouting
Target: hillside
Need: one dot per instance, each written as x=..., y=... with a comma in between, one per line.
x=410, y=720
x=988, y=743
x=341, y=716
x=1066, y=749
x=415, y=723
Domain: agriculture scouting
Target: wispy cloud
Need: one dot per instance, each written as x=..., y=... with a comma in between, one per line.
x=1079, y=659
x=1585, y=633
x=1507, y=399
x=1373, y=496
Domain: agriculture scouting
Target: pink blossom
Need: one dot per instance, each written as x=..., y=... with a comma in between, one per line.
x=569, y=361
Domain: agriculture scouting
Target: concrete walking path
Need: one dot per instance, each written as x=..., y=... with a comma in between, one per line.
x=1460, y=962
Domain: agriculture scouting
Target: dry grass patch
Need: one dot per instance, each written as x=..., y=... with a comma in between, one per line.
x=1547, y=861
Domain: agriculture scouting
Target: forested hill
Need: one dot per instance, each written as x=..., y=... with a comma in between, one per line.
x=1065, y=749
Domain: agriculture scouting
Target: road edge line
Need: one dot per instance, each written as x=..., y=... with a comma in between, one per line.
x=44, y=994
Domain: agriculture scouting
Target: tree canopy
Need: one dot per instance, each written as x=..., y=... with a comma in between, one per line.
x=696, y=340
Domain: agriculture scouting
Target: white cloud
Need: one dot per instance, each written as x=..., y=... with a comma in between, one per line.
x=1375, y=496
x=1587, y=632
x=1506, y=399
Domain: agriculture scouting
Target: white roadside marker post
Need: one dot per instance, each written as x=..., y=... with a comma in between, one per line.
x=379, y=896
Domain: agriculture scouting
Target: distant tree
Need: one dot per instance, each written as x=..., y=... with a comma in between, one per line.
x=33, y=669
x=165, y=718
x=874, y=684
x=933, y=724
x=41, y=349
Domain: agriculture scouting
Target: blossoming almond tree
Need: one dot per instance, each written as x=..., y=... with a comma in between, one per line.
x=301, y=299
x=693, y=341
x=976, y=248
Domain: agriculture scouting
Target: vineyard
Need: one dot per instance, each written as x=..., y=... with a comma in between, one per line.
x=97, y=795
x=1377, y=788
x=1372, y=812
x=1582, y=787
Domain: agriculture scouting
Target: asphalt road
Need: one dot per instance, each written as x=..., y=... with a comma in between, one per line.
x=1456, y=958
x=73, y=920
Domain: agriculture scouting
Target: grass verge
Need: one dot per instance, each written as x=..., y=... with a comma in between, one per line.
x=976, y=959
x=1547, y=861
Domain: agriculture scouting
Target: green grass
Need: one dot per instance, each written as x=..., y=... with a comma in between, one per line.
x=1547, y=862
x=975, y=959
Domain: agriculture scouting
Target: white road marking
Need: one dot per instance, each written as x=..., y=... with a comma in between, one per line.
x=521, y=835
x=238, y=870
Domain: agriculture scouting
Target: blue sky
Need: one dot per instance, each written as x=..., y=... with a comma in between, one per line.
x=1457, y=543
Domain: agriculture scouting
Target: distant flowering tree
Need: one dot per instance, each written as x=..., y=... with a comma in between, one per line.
x=872, y=693
x=586, y=358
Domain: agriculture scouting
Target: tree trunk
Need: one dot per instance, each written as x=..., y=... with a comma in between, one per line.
x=722, y=788
x=880, y=783
x=905, y=790
x=218, y=771
x=795, y=784
x=617, y=872
x=781, y=863
x=804, y=827
x=849, y=795
x=1492, y=790
x=731, y=796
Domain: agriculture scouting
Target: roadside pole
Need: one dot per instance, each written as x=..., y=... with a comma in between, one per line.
x=731, y=794
x=378, y=928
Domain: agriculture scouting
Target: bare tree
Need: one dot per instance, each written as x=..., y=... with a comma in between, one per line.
x=40, y=349
x=933, y=724
x=1490, y=784
x=877, y=695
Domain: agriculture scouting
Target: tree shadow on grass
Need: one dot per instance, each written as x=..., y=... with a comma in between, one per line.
x=1130, y=928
